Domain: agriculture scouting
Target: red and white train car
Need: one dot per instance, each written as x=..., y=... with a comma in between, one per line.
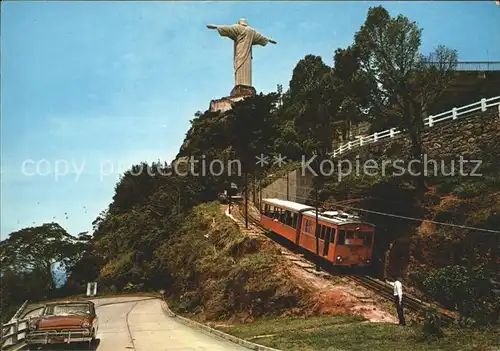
x=344, y=239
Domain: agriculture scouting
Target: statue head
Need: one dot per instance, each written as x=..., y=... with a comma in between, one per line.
x=243, y=22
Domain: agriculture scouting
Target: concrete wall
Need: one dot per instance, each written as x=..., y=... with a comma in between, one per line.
x=299, y=187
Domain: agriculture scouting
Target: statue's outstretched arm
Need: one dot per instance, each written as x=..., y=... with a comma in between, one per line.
x=259, y=39
x=226, y=31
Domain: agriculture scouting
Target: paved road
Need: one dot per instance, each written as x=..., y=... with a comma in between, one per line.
x=139, y=324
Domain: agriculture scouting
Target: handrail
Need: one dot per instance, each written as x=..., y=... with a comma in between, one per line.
x=20, y=310
x=453, y=114
x=473, y=65
x=13, y=332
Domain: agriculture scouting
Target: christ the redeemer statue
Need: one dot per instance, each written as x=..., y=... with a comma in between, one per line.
x=244, y=38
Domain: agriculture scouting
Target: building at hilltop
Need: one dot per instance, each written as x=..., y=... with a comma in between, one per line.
x=473, y=81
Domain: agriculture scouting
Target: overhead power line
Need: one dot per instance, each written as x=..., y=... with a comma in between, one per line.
x=421, y=220
x=404, y=217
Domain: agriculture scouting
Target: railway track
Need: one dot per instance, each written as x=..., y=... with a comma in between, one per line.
x=309, y=264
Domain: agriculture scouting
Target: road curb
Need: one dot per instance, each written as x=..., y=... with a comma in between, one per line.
x=209, y=330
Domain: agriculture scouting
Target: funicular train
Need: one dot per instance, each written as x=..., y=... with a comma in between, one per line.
x=344, y=239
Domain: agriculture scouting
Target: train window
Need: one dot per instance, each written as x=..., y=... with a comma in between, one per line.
x=361, y=235
x=288, y=218
x=350, y=234
x=282, y=216
x=341, y=239
x=368, y=240
x=294, y=220
x=266, y=210
x=328, y=232
x=332, y=235
x=322, y=234
x=307, y=226
x=276, y=213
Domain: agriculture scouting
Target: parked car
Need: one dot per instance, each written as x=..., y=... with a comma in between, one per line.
x=64, y=322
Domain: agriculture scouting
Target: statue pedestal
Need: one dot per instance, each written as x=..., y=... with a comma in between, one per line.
x=243, y=90
x=238, y=93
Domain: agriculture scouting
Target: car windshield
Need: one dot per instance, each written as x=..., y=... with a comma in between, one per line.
x=67, y=309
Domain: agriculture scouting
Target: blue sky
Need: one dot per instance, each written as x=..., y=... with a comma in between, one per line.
x=98, y=86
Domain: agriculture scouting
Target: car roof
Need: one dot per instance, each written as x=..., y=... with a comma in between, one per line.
x=76, y=302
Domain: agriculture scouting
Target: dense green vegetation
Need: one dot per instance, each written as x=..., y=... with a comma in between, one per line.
x=227, y=275
x=447, y=263
x=158, y=232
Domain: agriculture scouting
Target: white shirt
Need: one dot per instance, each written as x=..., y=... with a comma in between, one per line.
x=398, y=288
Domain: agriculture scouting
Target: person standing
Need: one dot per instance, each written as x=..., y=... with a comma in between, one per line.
x=398, y=299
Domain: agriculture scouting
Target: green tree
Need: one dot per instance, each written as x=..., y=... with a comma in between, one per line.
x=353, y=88
x=407, y=81
x=309, y=94
x=253, y=127
x=42, y=248
x=208, y=135
x=17, y=287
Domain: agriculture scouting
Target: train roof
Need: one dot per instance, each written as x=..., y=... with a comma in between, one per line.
x=294, y=206
x=336, y=217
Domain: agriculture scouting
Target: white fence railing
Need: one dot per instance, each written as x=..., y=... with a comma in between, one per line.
x=14, y=331
x=480, y=106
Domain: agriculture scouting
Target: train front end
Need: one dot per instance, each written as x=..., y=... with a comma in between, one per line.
x=354, y=247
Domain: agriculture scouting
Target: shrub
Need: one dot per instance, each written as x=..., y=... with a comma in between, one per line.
x=432, y=325
x=417, y=276
x=467, y=291
x=447, y=184
x=217, y=272
x=469, y=190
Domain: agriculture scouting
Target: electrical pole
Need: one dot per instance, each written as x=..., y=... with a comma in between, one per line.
x=260, y=197
x=253, y=187
x=246, y=200
x=317, y=230
x=287, y=186
x=230, y=198
x=280, y=92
